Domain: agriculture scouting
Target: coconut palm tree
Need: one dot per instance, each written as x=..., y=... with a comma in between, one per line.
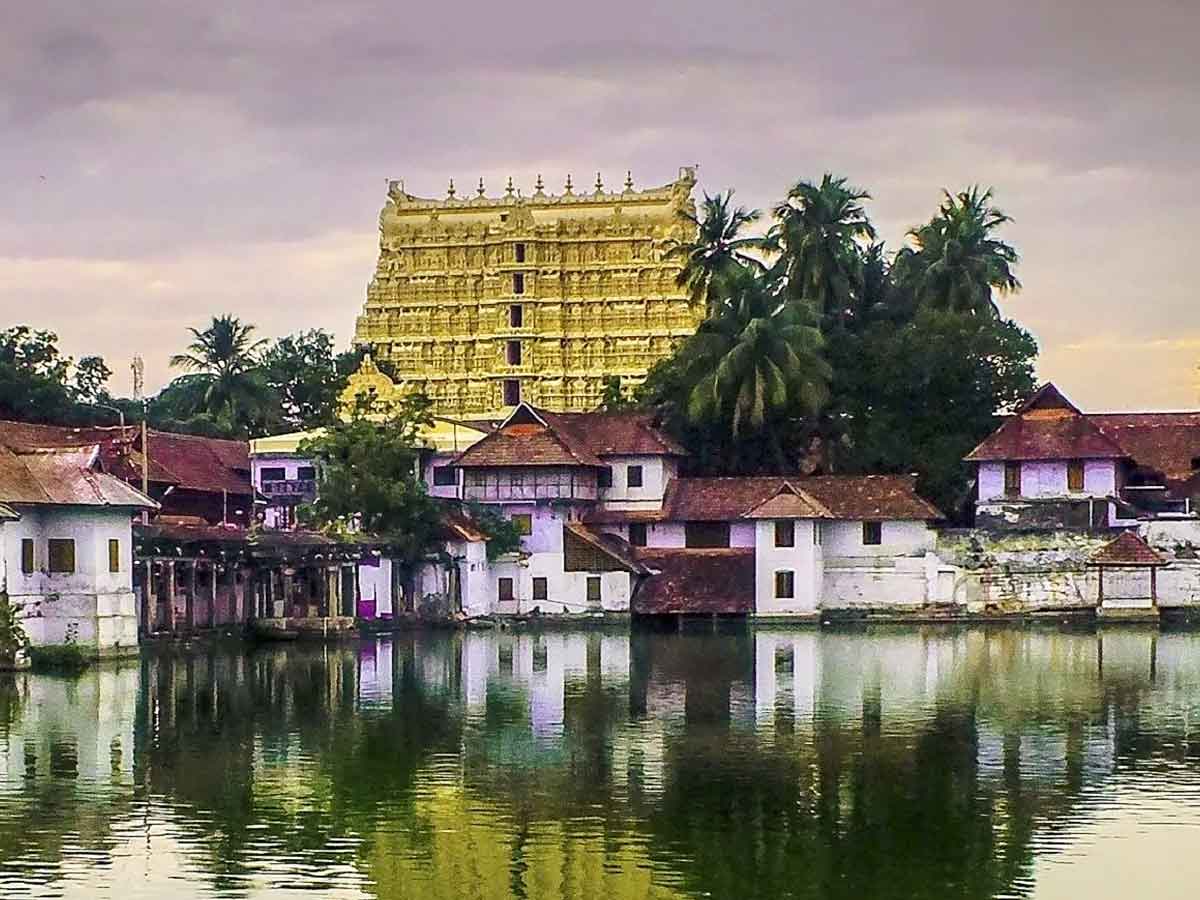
x=954, y=262
x=224, y=358
x=816, y=233
x=756, y=359
x=718, y=248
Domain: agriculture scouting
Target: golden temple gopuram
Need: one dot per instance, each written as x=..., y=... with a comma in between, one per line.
x=480, y=302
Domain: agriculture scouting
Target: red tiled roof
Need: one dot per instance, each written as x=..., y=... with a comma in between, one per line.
x=866, y=497
x=1165, y=443
x=617, y=433
x=1127, y=550
x=63, y=476
x=536, y=437
x=613, y=546
x=605, y=516
x=185, y=461
x=719, y=582
x=1047, y=426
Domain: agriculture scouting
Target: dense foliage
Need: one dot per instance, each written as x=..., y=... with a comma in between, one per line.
x=830, y=354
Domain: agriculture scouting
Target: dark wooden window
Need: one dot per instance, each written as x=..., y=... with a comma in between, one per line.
x=1075, y=475
x=524, y=522
x=61, y=555
x=593, y=591
x=872, y=534
x=785, y=533
x=444, y=475
x=519, y=252
x=633, y=476
x=785, y=584
x=306, y=473
x=604, y=477
x=637, y=534
x=518, y=282
x=114, y=555
x=540, y=589
x=27, y=555
x=701, y=535
x=516, y=316
x=504, y=590
x=272, y=473
x=512, y=353
x=512, y=392
x=1012, y=479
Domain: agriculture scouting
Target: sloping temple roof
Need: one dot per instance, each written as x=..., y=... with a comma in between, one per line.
x=1047, y=426
x=1128, y=549
x=63, y=477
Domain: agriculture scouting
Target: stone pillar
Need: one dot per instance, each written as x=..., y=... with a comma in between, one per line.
x=170, y=579
x=189, y=609
x=212, y=595
x=145, y=599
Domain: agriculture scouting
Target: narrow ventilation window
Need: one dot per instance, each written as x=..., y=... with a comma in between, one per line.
x=512, y=392
x=519, y=252
x=516, y=316
x=512, y=353
x=518, y=282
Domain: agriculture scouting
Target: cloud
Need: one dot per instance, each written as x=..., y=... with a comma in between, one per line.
x=210, y=149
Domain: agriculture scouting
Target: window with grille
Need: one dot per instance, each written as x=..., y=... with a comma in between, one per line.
x=593, y=591
x=604, y=477
x=512, y=353
x=540, y=589
x=872, y=534
x=700, y=535
x=518, y=282
x=504, y=590
x=27, y=556
x=637, y=534
x=272, y=473
x=444, y=476
x=114, y=555
x=61, y=555
x=633, y=476
x=785, y=533
x=516, y=316
x=785, y=584
x=1012, y=479
x=1075, y=475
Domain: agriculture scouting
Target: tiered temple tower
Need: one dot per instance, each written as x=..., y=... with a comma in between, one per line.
x=480, y=302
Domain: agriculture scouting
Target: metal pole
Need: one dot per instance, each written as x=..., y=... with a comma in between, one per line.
x=145, y=461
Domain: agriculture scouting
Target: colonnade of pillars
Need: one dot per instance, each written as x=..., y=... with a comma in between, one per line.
x=216, y=593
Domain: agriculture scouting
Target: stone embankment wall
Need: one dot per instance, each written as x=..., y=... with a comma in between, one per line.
x=1000, y=573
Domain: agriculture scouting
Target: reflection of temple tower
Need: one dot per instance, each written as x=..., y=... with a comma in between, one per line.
x=480, y=302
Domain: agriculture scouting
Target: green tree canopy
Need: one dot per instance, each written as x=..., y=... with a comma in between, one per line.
x=817, y=232
x=303, y=372
x=369, y=479
x=226, y=357
x=718, y=250
x=955, y=261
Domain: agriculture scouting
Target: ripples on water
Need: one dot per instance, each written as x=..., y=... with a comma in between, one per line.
x=892, y=763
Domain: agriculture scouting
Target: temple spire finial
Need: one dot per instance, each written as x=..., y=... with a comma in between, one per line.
x=450, y=190
x=509, y=187
x=628, y=180
x=538, y=185
x=570, y=188
x=480, y=190
x=599, y=184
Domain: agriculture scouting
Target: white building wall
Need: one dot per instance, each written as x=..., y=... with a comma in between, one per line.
x=656, y=472
x=805, y=560
x=91, y=607
x=900, y=538
x=1048, y=478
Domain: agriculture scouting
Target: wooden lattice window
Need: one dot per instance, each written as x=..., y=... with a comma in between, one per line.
x=785, y=584
x=1012, y=479
x=1075, y=475
x=61, y=556
x=504, y=590
x=785, y=533
x=27, y=556
x=114, y=555
x=540, y=588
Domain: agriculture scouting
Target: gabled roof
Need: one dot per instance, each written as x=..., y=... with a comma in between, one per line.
x=1128, y=549
x=712, y=582
x=854, y=497
x=1047, y=426
x=538, y=437
x=614, y=547
x=63, y=476
x=789, y=502
x=1164, y=443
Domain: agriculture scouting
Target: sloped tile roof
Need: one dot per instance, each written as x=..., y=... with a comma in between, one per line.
x=186, y=461
x=537, y=437
x=790, y=502
x=614, y=547
x=712, y=582
x=1128, y=549
x=1047, y=426
x=63, y=476
x=1165, y=443
x=856, y=497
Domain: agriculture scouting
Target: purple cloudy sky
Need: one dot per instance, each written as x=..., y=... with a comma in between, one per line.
x=164, y=161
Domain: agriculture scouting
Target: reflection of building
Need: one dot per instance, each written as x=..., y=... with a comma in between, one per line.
x=481, y=302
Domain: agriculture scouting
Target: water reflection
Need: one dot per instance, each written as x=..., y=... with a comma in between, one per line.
x=768, y=763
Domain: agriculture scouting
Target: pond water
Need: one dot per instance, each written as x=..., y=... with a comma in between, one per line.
x=743, y=763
